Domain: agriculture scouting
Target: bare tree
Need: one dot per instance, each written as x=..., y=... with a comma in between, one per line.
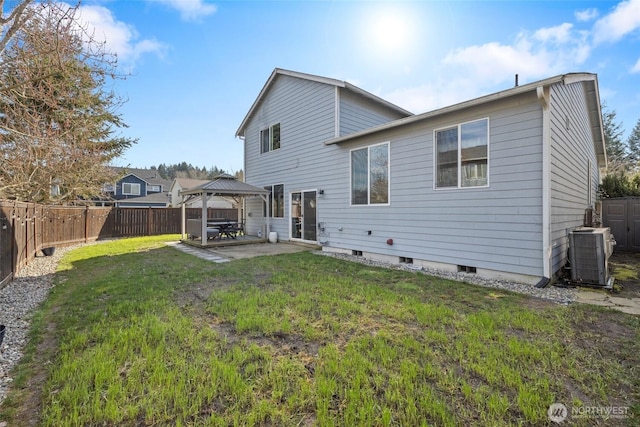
x=14, y=20
x=58, y=120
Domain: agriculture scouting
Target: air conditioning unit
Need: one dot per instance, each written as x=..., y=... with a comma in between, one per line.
x=589, y=252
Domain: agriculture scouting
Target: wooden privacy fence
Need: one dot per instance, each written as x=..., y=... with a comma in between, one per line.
x=27, y=228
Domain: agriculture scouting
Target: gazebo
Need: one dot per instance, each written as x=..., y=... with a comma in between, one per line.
x=224, y=186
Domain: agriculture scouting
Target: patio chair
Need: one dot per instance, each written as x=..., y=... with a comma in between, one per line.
x=239, y=229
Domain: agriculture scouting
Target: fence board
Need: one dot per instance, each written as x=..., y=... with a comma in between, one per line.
x=27, y=228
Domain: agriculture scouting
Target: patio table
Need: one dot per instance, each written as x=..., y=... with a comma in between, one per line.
x=226, y=228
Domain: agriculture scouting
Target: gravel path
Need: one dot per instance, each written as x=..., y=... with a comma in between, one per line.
x=17, y=301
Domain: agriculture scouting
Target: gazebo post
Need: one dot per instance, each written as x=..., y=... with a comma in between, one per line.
x=183, y=213
x=203, y=222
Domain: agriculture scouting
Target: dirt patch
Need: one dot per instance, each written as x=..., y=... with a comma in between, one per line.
x=281, y=343
x=30, y=397
x=197, y=294
x=625, y=267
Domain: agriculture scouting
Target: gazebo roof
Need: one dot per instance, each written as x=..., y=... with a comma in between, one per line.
x=225, y=185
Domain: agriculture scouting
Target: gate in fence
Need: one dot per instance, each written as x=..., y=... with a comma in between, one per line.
x=622, y=216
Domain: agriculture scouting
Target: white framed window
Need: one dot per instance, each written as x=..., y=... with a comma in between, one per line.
x=462, y=155
x=153, y=188
x=270, y=138
x=370, y=175
x=130, y=189
x=276, y=201
x=109, y=188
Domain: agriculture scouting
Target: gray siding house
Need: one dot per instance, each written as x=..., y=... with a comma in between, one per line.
x=492, y=185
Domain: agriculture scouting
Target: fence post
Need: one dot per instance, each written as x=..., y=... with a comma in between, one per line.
x=149, y=221
x=86, y=224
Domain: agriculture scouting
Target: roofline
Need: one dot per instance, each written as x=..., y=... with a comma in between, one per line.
x=318, y=79
x=133, y=174
x=517, y=90
x=197, y=190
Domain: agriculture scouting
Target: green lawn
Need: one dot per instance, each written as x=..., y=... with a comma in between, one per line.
x=136, y=333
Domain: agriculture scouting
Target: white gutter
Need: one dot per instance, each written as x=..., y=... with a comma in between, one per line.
x=544, y=98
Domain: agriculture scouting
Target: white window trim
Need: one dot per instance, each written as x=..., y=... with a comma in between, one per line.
x=131, y=193
x=368, y=147
x=284, y=198
x=435, y=156
x=269, y=129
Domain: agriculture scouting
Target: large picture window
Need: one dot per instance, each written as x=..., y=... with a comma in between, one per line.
x=370, y=175
x=270, y=138
x=462, y=155
x=130, y=189
x=276, y=201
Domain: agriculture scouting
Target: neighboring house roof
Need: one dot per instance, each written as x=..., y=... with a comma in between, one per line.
x=333, y=82
x=226, y=185
x=150, y=176
x=188, y=182
x=593, y=105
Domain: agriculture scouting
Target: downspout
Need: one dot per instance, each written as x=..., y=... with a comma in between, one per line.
x=544, y=99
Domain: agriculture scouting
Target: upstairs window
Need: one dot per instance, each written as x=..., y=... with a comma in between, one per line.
x=153, y=188
x=462, y=155
x=130, y=189
x=370, y=175
x=270, y=138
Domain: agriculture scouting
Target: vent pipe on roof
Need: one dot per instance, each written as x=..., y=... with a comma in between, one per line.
x=516, y=80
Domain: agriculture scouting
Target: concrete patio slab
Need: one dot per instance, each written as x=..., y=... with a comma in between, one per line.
x=605, y=299
x=228, y=253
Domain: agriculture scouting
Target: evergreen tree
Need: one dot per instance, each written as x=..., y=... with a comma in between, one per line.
x=59, y=122
x=615, y=146
x=633, y=145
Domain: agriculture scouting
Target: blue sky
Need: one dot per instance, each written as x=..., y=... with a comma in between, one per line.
x=197, y=66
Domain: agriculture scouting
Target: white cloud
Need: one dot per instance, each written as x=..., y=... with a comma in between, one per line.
x=559, y=34
x=435, y=95
x=119, y=37
x=548, y=51
x=472, y=71
x=624, y=19
x=191, y=10
x=586, y=15
x=492, y=62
